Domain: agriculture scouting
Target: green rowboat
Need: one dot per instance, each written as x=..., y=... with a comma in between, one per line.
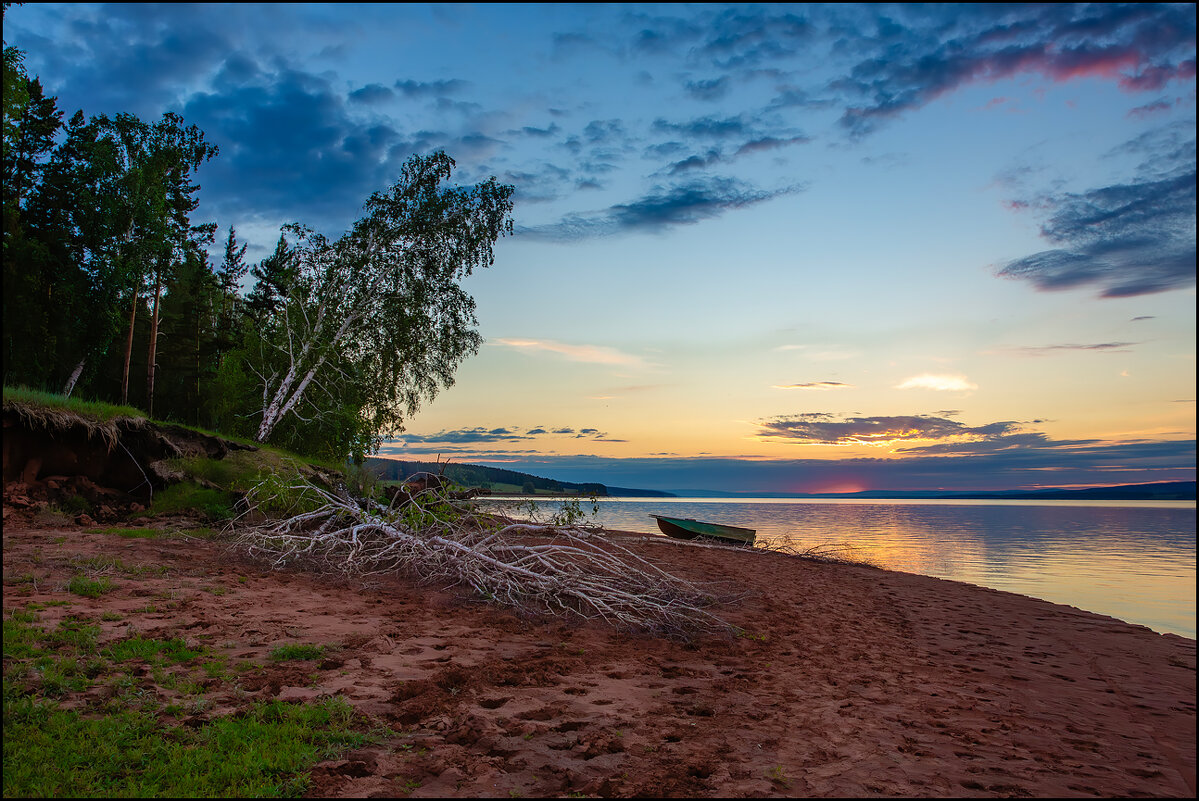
x=688, y=529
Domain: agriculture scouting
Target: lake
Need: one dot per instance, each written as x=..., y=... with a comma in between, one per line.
x=1133, y=560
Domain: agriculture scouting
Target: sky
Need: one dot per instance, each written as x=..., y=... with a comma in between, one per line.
x=795, y=248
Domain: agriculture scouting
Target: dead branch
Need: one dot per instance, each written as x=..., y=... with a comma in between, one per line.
x=555, y=570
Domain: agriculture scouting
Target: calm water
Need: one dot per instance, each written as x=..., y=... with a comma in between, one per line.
x=1134, y=560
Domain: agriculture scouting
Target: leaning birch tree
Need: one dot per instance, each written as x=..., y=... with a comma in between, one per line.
x=379, y=314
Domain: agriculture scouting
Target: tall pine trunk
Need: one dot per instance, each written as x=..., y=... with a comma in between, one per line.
x=128, y=354
x=150, y=361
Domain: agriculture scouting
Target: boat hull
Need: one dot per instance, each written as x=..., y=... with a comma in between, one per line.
x=688, y=529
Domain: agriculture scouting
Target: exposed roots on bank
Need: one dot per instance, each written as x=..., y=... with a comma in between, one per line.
x=537, y=568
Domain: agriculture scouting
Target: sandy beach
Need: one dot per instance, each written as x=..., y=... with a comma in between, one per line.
x=846, y=681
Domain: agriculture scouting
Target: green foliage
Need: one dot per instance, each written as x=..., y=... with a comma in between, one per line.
x=336, y=345
x=187, y=496
x=173, y=651
x=89, y=588
x=298, y=651
x=50, y=752
x=376, y=322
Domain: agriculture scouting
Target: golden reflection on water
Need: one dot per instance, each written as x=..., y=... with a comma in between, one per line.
x=1133, y=560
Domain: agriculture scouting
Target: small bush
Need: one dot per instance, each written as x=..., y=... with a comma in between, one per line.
x=138, y=648
x=189, y=497
x=285, y=653
x=89, y=588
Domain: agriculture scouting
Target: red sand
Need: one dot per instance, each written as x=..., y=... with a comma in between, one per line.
x=850, y=680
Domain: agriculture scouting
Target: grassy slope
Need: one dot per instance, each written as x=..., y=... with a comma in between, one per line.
x=133, y=746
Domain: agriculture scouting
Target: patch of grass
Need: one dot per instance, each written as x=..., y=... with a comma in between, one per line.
x=284, y=653
x=158, y=651
x=48, y=400
x=111, y=616
x=50, y=752
x=52, y=515
x=21, y=640
x=98, y=562
x=133, y=533
x=76, y=504
x=216, y=669
x=89, y=588
x=776, y=774
x=76, y=635
x=187, y=496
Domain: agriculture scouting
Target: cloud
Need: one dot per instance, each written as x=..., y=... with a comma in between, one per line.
x=766, y=143
x=292, y=148
x=940, y=383
x=931, y=53
x=1127, y=239
x=705, y=127
x=481, y=436
x=713, y=89
x=1102, y=347
x=371, y=94
x=439, y=88
x=819, y=428
x=465, y=436
x=1150, y=109
x=819, y=385
x=662, y=208
x=592, y=354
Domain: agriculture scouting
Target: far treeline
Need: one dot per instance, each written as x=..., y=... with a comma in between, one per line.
x=109, y=291
x=500, y=480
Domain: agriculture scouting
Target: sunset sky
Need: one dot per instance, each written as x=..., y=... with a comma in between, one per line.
x=777, y=248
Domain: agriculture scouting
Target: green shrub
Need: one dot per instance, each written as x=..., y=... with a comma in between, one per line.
x=190, y=497
x=283, y=653
x=89, y=588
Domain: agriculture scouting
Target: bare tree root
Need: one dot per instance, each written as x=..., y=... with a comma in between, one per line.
x=574, y=573
x=837, y=552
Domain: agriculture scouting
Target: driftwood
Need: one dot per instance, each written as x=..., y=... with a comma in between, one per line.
x=537, y=568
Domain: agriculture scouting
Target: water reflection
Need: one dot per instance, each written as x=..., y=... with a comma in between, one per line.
x=1131, y=560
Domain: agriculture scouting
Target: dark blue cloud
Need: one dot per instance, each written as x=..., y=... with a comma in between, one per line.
x=290, y=149
x=1126, y=239
x=705, y=128
x=713, y=89
x=465, y=436
x=662, y=208
x=1142, y=46
x=372, y=93
x=441, y=88
x=413, y=443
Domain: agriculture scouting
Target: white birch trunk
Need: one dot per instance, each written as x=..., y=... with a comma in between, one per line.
x=78, y=371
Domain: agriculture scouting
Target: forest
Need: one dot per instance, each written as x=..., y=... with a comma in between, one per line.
x=323, y=347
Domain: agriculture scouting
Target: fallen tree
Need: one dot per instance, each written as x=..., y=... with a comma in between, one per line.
x=531, y=567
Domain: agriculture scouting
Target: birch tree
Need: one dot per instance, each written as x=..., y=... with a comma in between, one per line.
x=379, y=314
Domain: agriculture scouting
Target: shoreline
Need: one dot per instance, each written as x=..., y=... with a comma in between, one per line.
x=845, y=679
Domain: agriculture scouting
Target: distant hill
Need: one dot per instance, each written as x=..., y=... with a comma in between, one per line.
x=1161, y=491
x=502, y=481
